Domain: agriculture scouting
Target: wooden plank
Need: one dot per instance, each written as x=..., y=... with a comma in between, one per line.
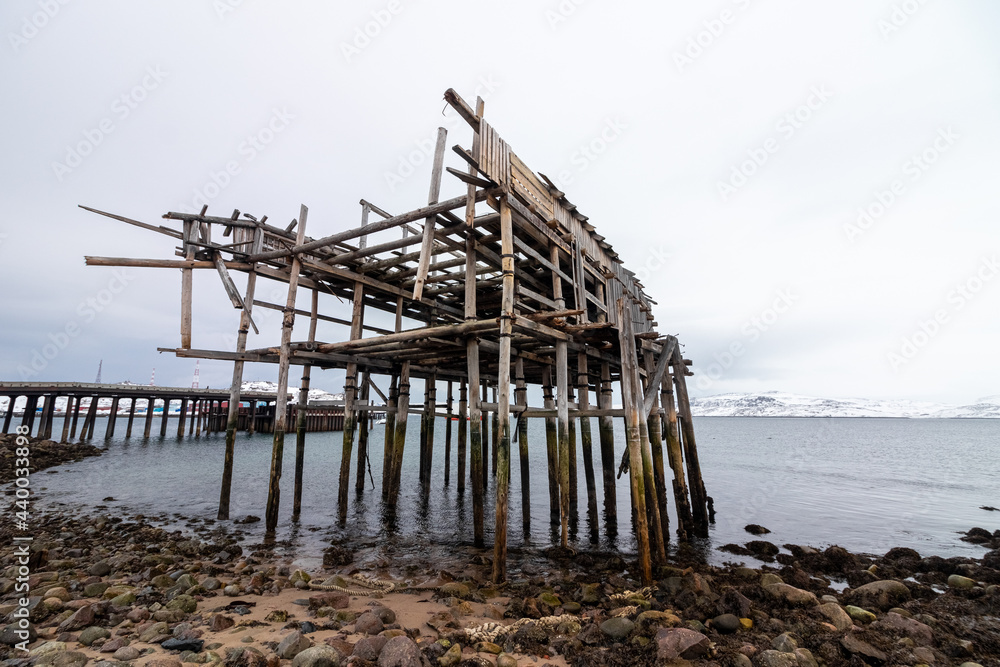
x=657, y=377
x=432, y=198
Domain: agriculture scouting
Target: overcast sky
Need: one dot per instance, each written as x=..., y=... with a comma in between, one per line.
x=726, y=149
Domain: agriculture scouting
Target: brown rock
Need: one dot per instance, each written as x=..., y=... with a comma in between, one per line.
x=81, y=618
x=884, y=594
x=868, y=653
x=335, y=600
x=674, y=643
x=221, y=622
x=915, y=630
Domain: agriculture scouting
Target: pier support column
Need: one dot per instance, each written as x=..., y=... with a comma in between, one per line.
x=389, y=439
x=502, y=423
x=463, y=432
x=699, y=499
x=88, y=423
x=551, y=445
x=165, y=416
x=131, y=417
x=586, y=442
x=449, y=404
x=521, y=400
x=364, y=422
x=399, y=437
x=281, y=405
x=112, y=418
x=71, y=401
x=182, y=418
x=606, y=429
x=9, y=414
x=303, y=414
x=48, y=410
x=28, y=419
x=654, y=430
x=148, y=427
x=676, y=460
x=350, y=396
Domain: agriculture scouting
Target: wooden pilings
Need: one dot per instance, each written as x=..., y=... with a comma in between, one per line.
x=350, y=396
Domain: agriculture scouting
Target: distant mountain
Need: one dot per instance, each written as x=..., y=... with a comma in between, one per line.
x=780, y=404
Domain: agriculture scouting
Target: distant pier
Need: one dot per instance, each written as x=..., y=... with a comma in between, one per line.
x=197, y=410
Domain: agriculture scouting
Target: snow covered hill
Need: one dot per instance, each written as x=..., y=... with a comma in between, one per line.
x=780, y=404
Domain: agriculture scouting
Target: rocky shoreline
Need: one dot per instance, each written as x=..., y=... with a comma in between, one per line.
x=114, y=592
x=44, y=454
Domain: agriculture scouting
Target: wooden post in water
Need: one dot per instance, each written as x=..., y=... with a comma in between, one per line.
x=676, y=460
x=573, y=478
x=70, y=402
x=48, y=409
x=521, y=399
x=463, y=431
x=252, y=428
x=427, y=430
x=9, y=414
x=164, y=416
x=193, y=417
x=281, y=405
x=363, y=427
x=91, y=419
x=586, y=443
x=199, y=412
x=131, y=417
x=656, y=444
x=402, y=410
x=630, y=404
x=551, y=445
x=28, y=419
x=148, y=426
x=447, y=434
x=390, y=435
x=300, y=418
x=182, y=417
x=699, y=499
x=495, y=432
x=486, y=435
x=350, y=396
x=112, y=418
x=502, y=423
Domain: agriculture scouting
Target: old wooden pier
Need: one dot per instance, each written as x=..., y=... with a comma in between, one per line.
x=199, y=410
x=508, y=285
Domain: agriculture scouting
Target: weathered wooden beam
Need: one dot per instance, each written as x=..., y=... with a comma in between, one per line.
x=428, y=236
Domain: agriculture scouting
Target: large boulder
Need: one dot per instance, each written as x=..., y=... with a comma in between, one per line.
x=795, y=597
x=318, y=656
x=884, y=594
x=399, y=651
x=674, y=643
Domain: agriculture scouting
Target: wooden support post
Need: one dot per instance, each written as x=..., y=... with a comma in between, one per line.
x=350, y=396
x=281, y=405
x=253, y=417
x=9, y=415
x=148, y=426
x=562, y=409
x=486, y=435
x=112, y=418
x=427, y=430
x=449, y=405
x=477, y=468
x=574, y=493
x=676, y=460
x=87, y=432
x=70, y=402
x=502, y=423
x=435, y=192
x=521, y=399
x=495, y=431
x=28, y=419
x=363, y=427
x=551, y=445
x=131, y=417
x=164, y=417
x=402, y=410
x=463, y=432
x=187, y=277
x=390, y=436
x=631, y=404
x=655, y=442
x=699, y=499
x=300, y=417
x=182, y=417
x=193, y=417
x=606, y=428
x=586, y=442
x=199, y=412
x=48, y=409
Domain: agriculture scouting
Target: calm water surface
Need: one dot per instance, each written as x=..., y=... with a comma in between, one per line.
x=866, y=484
